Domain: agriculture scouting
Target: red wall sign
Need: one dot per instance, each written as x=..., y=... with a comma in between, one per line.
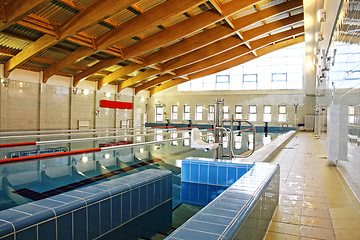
x=115, y=104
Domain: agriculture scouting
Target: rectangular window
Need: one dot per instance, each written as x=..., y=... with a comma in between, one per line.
x=198, y=113
x=174, y=112
x=186, y=112
x=222, y=78
x=159, y=110
x=249, y=81
x=226, y=112
x=282, y=113
x=211, y=112
x=351, y=115
x=252, y=113
x=238, y=111
x=279, y=77
x=267, y=113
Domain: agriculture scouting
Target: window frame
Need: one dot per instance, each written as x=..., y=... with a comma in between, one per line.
x=280, y=113
x=187, y=113
x=198, y=114
x=266, y=114
x=237, y=113
x=252, y=115
x=157, y=114
x=211, y=112
x=174, y=114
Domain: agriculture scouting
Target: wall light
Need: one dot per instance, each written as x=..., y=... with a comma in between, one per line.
x=141, y=150
x=142, y=99
x=107, y=94
x=84, y=159
x=106, y=156
x=85, y=92
x=21, y=84
x=321, y=15
x=319, y=36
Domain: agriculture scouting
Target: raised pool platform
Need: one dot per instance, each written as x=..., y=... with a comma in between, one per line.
x=93, y=211
x=240, y=211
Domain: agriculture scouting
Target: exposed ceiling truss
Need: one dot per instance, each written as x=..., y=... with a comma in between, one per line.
x=146, y=45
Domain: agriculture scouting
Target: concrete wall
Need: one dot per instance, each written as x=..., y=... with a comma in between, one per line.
x=28, y=104
x=169, y=97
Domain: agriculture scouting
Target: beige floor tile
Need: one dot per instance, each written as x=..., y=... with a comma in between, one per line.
x=315, y=205
x=346, y=224
x=291, y=203
x=342, y=234
x=314, y=232
x=289, y=209
x=348, y=213
x=285, y=228
x=287, y=218
x=314, y=212
x=315, y=199
x=316, y=222
x=280, y=236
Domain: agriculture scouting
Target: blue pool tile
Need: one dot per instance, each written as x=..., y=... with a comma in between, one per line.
x=157, y=198
x=48, y=203
x=240, y=172
x=116, y=211
x=64, y=223
x=105, y=217
x=93, y=218
x=125, y=207
x=135, y=201
x=151, y=195
x=10, y=237
x=194, y=172
x=143, y=199
x=169, y=188
x=185, y=171
x=28, y=234
x=47, y=230
x=231, y=175
x=194, y=235
x=203, y=194
x=213, y=174
x=194, y=193
x=18, y=219
x=212, y=192
x=185, y=192
x=96, y=197
x=163, y=190
x=77, y=194
x=34, y=209
x=64, y=198
x=80, y=231
x=220, y=212
x=64, y=208
x=222, y=175
x=204, y=169
x=208, y=227
x=212, y=219
x=5, y=228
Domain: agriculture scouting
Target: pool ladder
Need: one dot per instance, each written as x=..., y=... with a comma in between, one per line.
x=282, y=127
x=219, y=152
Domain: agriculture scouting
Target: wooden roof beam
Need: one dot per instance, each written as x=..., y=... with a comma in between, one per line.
x=261, y=52
x=235, y=53
x=227, y=43
x=15, y=10
x=179, y=30
x=150, y=18
x=119, y=74
x=91, y=15
x=66, y=61
x=141, y=76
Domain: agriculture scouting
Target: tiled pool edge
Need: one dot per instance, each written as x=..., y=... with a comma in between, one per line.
x=89, y=212
x=269, y=151
x=237, y=211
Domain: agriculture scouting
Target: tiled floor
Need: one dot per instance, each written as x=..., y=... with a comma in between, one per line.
x=315, y=201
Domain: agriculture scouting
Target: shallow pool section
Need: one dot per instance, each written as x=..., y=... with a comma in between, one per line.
x=92, y=211
x=242, y=211
x=202, y=180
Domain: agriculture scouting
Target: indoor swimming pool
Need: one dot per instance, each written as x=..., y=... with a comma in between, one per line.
x=119, y=169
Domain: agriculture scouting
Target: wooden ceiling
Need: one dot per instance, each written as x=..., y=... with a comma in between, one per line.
x=146, y=45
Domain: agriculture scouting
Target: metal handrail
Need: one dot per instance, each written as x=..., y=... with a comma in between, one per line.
x=282, y=127
x=231, y=142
